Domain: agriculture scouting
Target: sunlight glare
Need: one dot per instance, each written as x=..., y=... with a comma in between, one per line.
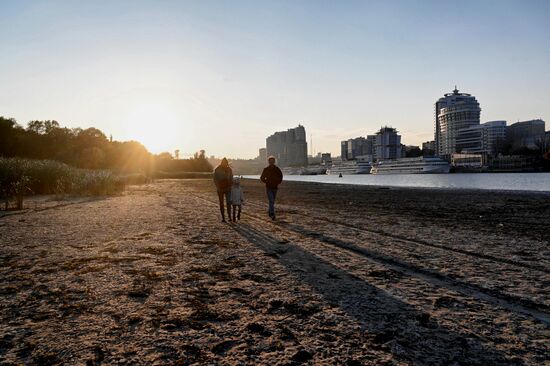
x=155, y=125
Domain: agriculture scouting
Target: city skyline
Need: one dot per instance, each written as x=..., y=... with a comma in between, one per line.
x=185, y=76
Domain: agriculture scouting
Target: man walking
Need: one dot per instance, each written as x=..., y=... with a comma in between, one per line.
x=272, y=177
x=223, y=178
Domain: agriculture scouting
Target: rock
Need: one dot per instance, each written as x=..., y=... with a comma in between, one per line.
x=259, y=329
x=444, y=301
x=302, y=356
x=138, y=293
x=223, y=347
x=302, y=311
x=287, y=335
x=423, y=319
x=275, y=303
x=378, y=273
x=328, y=337
x=353, y=363
x=191, y=349
x=384, y=337
x=168, y=326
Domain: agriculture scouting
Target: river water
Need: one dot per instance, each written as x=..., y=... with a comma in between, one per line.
x=493, y=181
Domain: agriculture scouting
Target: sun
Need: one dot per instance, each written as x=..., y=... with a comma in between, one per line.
x=155, y=125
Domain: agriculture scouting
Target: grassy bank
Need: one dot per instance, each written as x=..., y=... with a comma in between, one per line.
x=21, y=177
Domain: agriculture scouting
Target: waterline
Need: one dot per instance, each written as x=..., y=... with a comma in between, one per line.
x=539, y=182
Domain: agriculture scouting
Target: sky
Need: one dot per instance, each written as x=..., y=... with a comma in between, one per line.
x=224, y=75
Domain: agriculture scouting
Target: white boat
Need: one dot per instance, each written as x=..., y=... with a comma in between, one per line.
x=349, y=167
x=311, y=170
x=291, y=170
x=419, y=165
x=314, y=170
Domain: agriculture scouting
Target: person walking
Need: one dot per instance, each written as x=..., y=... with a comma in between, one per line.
x=272, y=176
x=223, y=178
x=237, y=199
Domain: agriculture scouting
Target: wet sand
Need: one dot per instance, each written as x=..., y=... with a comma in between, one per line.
x=346, y=275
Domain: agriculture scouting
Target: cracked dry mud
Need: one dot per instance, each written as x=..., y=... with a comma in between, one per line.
x=346, y=275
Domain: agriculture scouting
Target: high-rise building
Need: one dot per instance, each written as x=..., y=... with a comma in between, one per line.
x=288, y=147
x=360, y=146
x=355, y=147
x=388, y=144
x=410, y=151
x=453, y=112
x=526, y=134
x=344, y=150
x=370, y=146
x=428, y=148
x=326, y=159
x=262, y=154
x=487, y=138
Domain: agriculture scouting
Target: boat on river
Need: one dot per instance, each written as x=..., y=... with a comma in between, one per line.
x=349, y=167
x=417, y=165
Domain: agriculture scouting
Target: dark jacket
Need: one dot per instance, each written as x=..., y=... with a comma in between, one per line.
x=223, y=178
x=272, y=176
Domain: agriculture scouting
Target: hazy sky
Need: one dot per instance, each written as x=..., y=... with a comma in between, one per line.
x=224, y=75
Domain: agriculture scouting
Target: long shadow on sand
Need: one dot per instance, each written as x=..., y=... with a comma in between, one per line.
x=508, y=301
x=389, y=323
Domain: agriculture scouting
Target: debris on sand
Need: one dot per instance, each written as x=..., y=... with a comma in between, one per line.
x=302, y=356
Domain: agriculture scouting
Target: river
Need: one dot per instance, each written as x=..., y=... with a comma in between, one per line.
x=539, y=182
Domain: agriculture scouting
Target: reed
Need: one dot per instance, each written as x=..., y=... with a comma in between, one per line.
x=20, y=177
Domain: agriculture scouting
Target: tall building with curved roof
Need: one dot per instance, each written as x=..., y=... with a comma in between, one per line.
x=453, y=112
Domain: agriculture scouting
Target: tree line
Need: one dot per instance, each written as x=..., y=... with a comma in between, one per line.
x=88, y=149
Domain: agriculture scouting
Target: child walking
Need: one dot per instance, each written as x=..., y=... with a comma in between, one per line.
x=237, y=198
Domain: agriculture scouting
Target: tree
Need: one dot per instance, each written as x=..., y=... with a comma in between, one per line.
x=36, y=127
x=92, y=158
x=10, y=133
x=49, y=126
x=165, y=156
x=88, y=148
x=92, y=137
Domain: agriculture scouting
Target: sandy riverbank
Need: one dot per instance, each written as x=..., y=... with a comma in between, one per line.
x=347, y=275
